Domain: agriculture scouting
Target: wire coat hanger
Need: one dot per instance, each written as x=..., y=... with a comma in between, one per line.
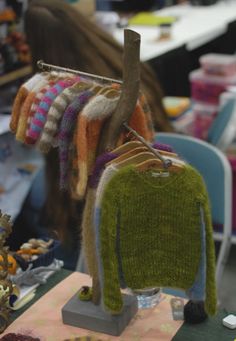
x=165, y=162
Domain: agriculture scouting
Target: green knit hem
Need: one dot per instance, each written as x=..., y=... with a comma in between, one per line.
x=114, y=309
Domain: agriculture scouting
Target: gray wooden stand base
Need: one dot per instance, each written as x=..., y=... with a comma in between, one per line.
x=86, y=315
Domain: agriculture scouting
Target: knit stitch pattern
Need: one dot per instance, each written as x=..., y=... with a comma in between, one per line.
x=55, y=113
x=20, y=98
x=158, y=223
x=39, y=119
x=66, y=131
x=33, y=109
x=25, y=110
x=90, y=124
x=88, y=234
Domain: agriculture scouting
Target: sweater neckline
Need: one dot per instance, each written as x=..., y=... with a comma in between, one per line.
x=158, y=181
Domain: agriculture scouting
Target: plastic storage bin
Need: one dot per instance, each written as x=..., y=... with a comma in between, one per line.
x=207, y=89
x=204, y=116
x=218, y=64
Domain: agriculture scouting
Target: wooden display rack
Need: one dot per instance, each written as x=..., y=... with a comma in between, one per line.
x=90, y=314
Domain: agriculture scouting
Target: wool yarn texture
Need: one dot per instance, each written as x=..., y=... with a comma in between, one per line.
x=20, y=98
x=66, y=131
x=25, y=110
x=98, y=179
x=90, y=125
x=147, y=111
x=39, y=119
x=153, y=224
x=34, y=108
x=55, y=113
x=198, y=290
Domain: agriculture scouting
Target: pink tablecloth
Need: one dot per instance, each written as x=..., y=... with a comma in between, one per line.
x=43, y=319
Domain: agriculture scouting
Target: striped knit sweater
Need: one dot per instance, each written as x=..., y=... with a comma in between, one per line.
x=39, y=119
x=20, y=98
x=25, y=110
x=33, y=109
x=56, y=111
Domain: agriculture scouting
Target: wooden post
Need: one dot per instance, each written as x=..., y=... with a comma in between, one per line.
x=129, y=91
x=124, y=110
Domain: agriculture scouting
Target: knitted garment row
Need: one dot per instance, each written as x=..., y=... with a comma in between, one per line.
x=150, y=231
x=65, y=110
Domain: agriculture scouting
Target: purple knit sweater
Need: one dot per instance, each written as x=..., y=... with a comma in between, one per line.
x=66, y=131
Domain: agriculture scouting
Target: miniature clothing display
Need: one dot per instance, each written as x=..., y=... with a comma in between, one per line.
x=34, y=107
x=39, y=119
x=22, y=124
x=161, y=215
x=20, y=98
x=97, y=179
x=67, y=128
x=50, y=112
x=56, y=111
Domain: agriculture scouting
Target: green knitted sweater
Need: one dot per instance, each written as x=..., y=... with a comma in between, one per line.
x=150, y=232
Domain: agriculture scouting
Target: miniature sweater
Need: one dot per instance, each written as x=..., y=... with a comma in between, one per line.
x=25, y=109
x=34, y=107
x=150, y=230
x=67, y=128
x=20, y=98
x=40, y=117
x=56, y=111
x=90, y=125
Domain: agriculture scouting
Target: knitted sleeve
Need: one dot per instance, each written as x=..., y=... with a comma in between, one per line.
x=112, y=298
x=211, y=299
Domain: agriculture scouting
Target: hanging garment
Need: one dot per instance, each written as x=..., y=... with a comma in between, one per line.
x=20, y=98
x=97, y=181
x=56, y=112
x=150, y=229
x=40, y=117
x=90, y=123
x=67, y=128
x=25, y=108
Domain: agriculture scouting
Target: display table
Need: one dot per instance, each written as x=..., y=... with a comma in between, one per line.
x=198, y=30
x=44, y=318
x=195, y=26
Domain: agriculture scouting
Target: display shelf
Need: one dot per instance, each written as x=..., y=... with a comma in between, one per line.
x=16, y=74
